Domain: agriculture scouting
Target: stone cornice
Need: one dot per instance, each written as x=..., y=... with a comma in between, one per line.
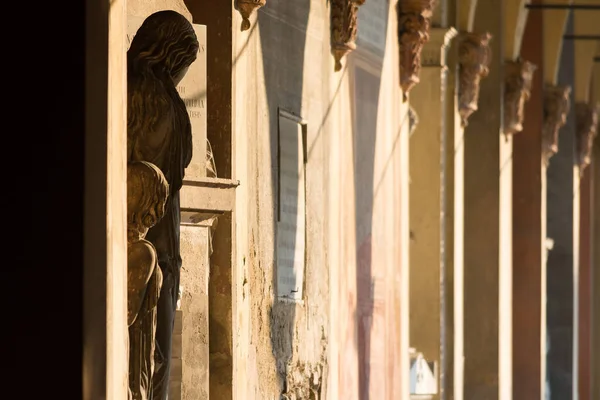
x=518, y=76
x=246, y=8
x=343, y=28
x=586, y=130
x=414, y=22
x=556, y=107
x=474, y=56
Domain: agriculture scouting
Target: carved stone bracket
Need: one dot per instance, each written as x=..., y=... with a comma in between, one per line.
x=518, y=76
x=474, y=56
x=344, y=26
x=246, y=8
x=587, y=129
x=414, y=22
x=556, y=108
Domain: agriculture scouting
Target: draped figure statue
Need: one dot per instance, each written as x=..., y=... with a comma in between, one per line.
x=159, y=131
x=147, y=192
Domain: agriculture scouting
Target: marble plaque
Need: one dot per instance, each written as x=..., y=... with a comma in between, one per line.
x=291, y=219
x=192, y=90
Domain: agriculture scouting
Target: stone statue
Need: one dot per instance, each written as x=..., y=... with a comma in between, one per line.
x=159, y=131
x=147, y=192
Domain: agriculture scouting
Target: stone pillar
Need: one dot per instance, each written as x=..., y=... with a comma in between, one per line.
x=454, y=248
x=427, y=203
x=561, y=199
x=529, y=218
x=585, y=286
x=595, y=167
x=193, y=341
x=105, y=344
x=586, y=125
x=487, y=218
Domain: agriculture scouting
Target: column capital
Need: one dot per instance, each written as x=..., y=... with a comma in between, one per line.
x=343, y=29
x=414, y=22
x=557, y=104
x=518, y=76
x=474, y=56
x=246, y=9
x=435, y=50
x=586, y=130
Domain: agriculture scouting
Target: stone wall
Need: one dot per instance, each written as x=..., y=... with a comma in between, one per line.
x=344, y=338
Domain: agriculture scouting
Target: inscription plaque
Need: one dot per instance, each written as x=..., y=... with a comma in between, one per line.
x=291, y=221
x=192, y=90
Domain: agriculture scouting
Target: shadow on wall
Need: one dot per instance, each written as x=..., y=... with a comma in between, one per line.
x=370, y=308
x=365, y=128
x=283, y=30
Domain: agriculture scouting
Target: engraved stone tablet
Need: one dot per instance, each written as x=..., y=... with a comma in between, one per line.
x=192, y=90
x=292, y=212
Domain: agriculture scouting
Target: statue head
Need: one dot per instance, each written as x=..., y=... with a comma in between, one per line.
x=147, y=191
x=165, y=43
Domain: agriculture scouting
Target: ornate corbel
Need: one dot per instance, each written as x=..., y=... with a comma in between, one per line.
x=344, y=15
x=587, y=129
x=518, y=76
x=414, y=22
x=556, y=108
x=246, y=8
x=474, y=56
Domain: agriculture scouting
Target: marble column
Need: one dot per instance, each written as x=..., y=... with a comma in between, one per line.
x=427, y=214
x=529, y=229
x=488, y=228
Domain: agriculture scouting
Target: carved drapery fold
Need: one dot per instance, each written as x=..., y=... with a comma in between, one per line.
x=246, y=8
x=587, y=129
x=414, y=22
x=344, y=26
x=556, y=108
x=518, y=76
x=474, y=56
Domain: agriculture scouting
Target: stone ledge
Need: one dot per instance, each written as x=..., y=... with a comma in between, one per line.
x=208, y=196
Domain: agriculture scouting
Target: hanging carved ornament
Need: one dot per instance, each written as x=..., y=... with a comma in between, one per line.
x=518, y=76
x=474, y=56
x=414, y=22
x=413, y=121
x=344, y=25
x=556, y=108
x=246, y=8
x=587, y=129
